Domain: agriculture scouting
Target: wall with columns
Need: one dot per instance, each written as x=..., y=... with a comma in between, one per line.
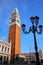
x=5, y=50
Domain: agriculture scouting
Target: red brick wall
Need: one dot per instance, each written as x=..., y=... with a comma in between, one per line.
x=17, y=40
x=14, y=35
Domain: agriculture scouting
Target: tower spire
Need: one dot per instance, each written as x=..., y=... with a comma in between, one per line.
x=15, y=11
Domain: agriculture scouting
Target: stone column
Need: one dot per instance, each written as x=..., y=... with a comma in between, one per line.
x=9, y=59
x=2, y=59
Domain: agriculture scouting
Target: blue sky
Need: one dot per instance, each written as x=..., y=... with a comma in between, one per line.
x=26, y=8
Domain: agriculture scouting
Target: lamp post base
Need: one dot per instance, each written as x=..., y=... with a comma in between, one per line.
x=38, y=63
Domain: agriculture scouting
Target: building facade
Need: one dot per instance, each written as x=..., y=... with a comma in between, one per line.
x=30, y=57
x=5, y=51
x=14, y=34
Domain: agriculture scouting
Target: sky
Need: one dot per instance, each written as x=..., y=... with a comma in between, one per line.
x=26, y=8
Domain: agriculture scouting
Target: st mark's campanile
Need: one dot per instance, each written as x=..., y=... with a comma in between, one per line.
x=14, y=34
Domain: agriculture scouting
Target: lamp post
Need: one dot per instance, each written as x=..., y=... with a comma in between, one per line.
x=33, y=29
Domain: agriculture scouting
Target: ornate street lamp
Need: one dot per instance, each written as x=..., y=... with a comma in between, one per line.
x=33, y=28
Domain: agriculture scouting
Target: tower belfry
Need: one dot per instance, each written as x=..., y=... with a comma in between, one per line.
x=15, y=18
x=14, y=33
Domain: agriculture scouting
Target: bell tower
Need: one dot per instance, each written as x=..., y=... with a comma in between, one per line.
x=14, y=33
